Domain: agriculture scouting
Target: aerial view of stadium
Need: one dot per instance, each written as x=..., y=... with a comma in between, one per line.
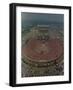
x=42, y=44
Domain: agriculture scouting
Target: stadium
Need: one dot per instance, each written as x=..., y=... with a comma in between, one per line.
x=42, y=48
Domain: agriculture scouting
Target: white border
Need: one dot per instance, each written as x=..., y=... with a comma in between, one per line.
x=24, y=80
